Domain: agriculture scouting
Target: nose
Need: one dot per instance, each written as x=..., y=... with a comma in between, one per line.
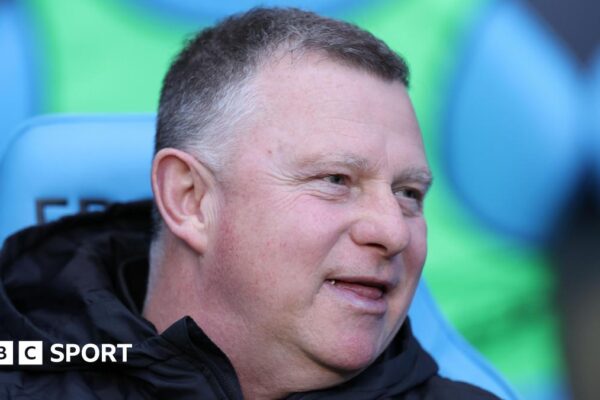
x=381, y=224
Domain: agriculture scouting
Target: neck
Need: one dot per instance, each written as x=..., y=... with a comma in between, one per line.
x=171, y=286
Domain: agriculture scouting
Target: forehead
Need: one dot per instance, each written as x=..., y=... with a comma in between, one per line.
x=311, y=107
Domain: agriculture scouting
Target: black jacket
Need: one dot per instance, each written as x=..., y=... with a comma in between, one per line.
x=82, y=280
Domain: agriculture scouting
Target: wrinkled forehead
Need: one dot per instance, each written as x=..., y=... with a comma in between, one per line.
x=311, y=107
x=316, y=84
x=316, y=90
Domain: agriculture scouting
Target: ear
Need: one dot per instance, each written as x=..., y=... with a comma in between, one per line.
x=184, y=191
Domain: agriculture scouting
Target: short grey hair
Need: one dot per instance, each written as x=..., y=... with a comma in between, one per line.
x=207, y=90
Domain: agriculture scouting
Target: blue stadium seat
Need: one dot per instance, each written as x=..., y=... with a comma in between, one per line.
x=456, y=358
x=18, y=96
x=59, y=165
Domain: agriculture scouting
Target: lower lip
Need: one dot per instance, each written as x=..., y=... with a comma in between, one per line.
x=365, y=304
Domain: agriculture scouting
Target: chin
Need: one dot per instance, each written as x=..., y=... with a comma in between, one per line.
x=350, y=355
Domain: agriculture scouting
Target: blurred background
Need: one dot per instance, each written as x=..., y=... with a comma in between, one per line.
x=508, y=96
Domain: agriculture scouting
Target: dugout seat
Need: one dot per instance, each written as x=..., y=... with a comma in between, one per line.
x=19, y=96
x=60, y=165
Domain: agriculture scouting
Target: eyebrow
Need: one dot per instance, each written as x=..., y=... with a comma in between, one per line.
x=320, y=160
x=416, y=174
x=353, y=161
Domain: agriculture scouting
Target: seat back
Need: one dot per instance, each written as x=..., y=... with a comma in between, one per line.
x=456, y=358
x=59, y=165
x=63, y=165
x=19, y=97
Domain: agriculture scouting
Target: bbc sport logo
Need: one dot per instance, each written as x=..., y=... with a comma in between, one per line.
x=31, y=352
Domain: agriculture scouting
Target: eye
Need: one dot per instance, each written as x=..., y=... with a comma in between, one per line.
x=411, y=193
x=410, y=199
x=336, y=179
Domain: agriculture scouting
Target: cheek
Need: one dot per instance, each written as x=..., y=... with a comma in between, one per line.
x=413, y=258
x=267, y=247
x=226, y=260
x=417, y=252
x=287, y=227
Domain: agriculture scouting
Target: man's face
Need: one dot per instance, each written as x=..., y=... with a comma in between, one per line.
x=320, y=238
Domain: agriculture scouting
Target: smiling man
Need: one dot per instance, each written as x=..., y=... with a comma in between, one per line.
x=289, y=180
x=290, y=176
x=300, y=257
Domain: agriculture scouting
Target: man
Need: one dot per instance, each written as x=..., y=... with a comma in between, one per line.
x=289, y=180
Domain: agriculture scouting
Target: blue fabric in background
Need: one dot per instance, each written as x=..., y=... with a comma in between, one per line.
x=594, y=119
x=513, y=137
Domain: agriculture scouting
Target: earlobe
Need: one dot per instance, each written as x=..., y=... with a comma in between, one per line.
x=182, y=186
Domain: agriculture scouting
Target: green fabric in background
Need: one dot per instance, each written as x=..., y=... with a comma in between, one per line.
x=104, y=56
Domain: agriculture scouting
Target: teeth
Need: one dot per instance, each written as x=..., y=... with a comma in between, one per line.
x=332, y=281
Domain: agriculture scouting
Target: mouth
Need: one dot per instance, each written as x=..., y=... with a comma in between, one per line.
x=365, y=294
x=369, y=290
